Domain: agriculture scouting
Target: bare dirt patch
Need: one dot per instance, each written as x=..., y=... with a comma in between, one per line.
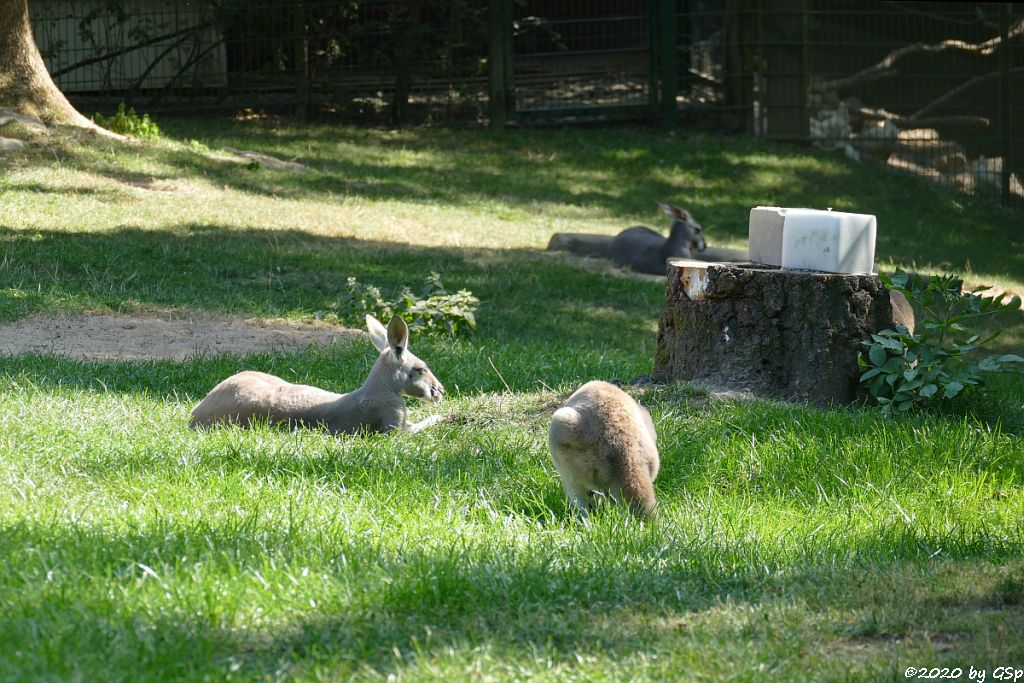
x=161, y=336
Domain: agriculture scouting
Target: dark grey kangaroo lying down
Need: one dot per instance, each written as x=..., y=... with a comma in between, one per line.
x=645, y=250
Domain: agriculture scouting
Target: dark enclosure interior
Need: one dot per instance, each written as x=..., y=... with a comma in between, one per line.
x=932, y=88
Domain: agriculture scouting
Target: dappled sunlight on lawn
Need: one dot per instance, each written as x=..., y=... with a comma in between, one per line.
x=788, y=539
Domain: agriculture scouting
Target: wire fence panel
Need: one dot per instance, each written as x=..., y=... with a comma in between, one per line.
x=923, y=87
x=932, y=88
x=581, y=54
x=386, y=60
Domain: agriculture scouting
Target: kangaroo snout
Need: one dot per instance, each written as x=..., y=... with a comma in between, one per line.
x=436, y=392
x=698, y=243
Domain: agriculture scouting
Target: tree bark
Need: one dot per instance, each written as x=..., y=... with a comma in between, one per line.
x=789, y=334
x=25, y=84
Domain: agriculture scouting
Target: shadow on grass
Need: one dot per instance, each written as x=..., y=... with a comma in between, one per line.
x=387, y=609
x=539, y=317
x=293, y=273
x=622, y=173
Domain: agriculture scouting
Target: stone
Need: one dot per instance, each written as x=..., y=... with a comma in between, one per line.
x=765, y=235
x=786, y=334
x=30, y=122
x=10, y=145
x=831, y=241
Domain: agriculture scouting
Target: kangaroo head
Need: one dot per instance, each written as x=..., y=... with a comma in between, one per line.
x=685, y=231
x=408, y=375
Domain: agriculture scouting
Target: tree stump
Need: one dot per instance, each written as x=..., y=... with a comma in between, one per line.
x=788, y=334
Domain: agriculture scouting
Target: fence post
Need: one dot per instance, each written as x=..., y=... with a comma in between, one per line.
x=500, y=60
x=1005, y=148
x=786, y=77
x=301, y=64
x=669, y=64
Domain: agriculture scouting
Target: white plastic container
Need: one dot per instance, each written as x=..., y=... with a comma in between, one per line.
x=765, y=233
x=830, y=241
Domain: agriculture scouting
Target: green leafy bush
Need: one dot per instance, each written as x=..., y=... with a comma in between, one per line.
x=127, y=122
x=903, y=370
x=433, y=309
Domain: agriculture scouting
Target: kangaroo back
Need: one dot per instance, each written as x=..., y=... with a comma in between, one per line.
x=645, y=250
x=378, y=405
x=603, y=441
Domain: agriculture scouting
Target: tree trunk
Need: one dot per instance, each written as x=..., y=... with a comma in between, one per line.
x=25, y=84
x=789, y=334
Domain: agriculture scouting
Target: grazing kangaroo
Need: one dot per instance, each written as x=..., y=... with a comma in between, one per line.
x=645, y=250
x=603, y=440
x=378, y=405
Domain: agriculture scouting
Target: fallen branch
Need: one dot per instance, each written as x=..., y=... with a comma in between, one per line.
x=193, y=60
x=137, y=85
x=959, y=89
x=885, y=68
x=906, y=122
x=131, y=48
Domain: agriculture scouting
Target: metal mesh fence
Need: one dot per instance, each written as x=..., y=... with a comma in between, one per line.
x=932, y=88
x=386, y=60
x=581, y=54
x=927, y=88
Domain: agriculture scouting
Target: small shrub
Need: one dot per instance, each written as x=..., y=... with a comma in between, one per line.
x=127, y=122
x=434, y=309
x=903, y=370
x=198, y=147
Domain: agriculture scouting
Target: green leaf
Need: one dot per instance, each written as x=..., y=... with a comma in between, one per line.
x=990, y=364
x=898, y=280
x=929, y=390
x=873, y=372
x=894, y=365
x=910, y=374
x=894, y=344
x=953, y=388
x=910, y=386
x=877, y=355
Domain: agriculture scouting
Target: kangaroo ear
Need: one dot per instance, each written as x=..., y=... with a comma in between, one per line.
x=667, y=209
x=378, y=335
x=398, y=336
x=681, y=214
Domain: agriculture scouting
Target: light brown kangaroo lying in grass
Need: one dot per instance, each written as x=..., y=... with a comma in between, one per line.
x=602, y=440
x=377, y=406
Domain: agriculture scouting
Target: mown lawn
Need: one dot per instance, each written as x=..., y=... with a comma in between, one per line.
x=791, y=542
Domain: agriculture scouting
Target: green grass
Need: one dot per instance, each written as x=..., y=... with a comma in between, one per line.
x=791, y=543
